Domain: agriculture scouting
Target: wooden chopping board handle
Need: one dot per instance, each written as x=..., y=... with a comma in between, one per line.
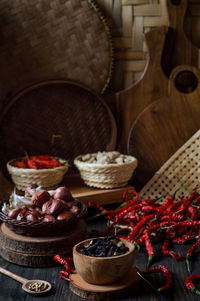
x=177, y=14
x=155, y=40
x=194, y=74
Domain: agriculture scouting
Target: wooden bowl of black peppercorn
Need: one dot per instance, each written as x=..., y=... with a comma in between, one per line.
x=103, y=260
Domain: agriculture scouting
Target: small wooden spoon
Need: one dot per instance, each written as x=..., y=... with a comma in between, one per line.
x=30, y=286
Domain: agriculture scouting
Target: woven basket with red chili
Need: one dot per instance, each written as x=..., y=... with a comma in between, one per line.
x=37, y=162
x=44, y=170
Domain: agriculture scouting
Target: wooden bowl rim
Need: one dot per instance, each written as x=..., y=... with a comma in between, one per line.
x=126, y=242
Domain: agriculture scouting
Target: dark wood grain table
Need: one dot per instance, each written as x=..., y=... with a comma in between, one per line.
x=10, y=290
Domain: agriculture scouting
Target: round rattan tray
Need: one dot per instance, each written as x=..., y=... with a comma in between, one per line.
x=53, y=39
x=38, y=229
x=59, y=118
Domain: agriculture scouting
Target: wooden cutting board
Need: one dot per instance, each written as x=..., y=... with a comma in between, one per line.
x=164, y=126
x=151, y=86
x=179, y=49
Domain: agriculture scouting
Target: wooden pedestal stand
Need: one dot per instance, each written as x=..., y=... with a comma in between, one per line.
x=101, y=196
x=38, y=251
x=120, y=289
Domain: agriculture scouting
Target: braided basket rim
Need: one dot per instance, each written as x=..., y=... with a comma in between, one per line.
x=80, y=163
x=15, y=169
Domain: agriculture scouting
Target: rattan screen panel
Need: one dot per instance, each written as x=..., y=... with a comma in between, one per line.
x=59, y=118
x=183, y=168
x=45, y=39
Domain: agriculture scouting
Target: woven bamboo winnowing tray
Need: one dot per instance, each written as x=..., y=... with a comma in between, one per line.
x=73, y=114
x=42, y=40
x=182, y=168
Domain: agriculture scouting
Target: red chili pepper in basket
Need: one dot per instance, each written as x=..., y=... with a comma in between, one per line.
x=167, y=275
x=190, y=285
x=191, y=252
x=167, y=252
x=32, y=164
x=48, y=164
x=42, y=157
x=20, y=164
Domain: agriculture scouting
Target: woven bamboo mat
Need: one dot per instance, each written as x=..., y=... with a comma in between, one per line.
x=130, y=19
x=60, y=118
x=61, y=39
x=181, y=171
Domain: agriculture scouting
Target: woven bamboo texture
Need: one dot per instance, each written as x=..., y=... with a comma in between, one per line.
x=182, y=168
x=106, y=175
x=57, y=39
x=129, y=20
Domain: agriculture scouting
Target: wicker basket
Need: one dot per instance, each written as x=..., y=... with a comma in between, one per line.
x=181, y=171
x=106, y=175
x=41, y=228
x=46, y=178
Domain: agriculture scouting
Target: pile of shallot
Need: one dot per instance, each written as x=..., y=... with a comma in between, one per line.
x=46, y=206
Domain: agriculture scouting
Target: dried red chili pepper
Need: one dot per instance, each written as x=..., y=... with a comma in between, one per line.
x=185, y=223
x=190, y=285
x=121, y=208
x=118, y=218
x=174, y=206
x=140, y=224
x=170, y=233
x=68, y=264
x=167, y=275
x=191, y=252
x=168, y=201
x=193, y=212
x=125, y=193
x=166, y=251
x=182, y=240
x=187, y=202
x=149, y=248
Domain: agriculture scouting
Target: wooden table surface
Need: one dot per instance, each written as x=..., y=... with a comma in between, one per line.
x=10, y=290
